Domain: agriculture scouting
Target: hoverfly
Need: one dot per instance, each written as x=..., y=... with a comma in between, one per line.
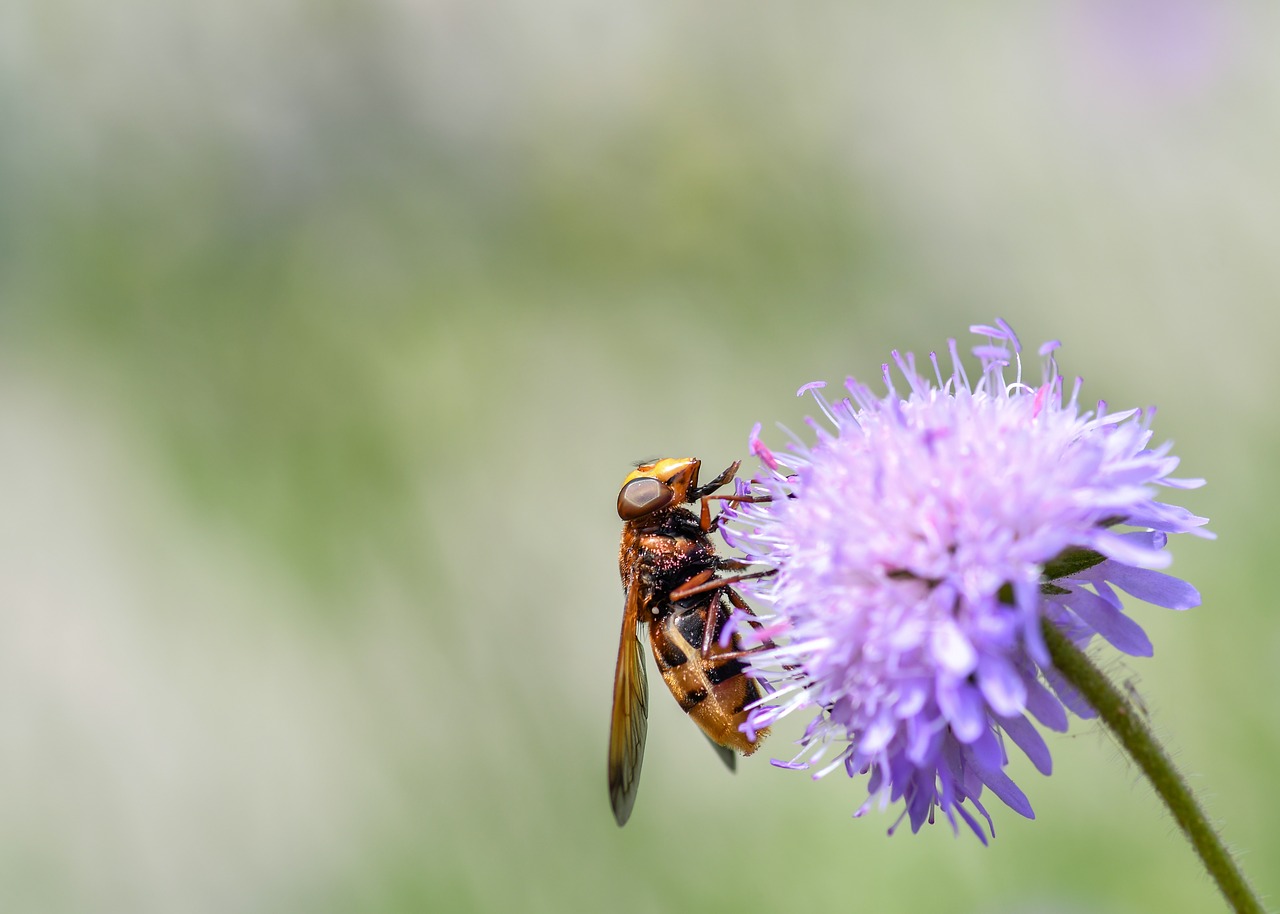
x=668, y=567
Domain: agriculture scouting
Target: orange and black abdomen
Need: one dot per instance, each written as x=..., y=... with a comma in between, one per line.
x=714, y=692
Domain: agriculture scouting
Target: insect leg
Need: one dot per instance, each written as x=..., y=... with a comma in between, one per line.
x=736, y=599
x=725, y=475
x=748, y=498
x=705, y=518
x=712, y=628
x=705, y=581
x=699, y=583
x=711, y=625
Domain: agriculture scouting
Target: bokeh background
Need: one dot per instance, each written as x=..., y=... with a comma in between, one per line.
x=328, y=331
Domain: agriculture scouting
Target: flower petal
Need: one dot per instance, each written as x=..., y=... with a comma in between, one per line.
x=1109, y=622
x=962, y=705
x=1029, y=740
x=1154, y=587
x=1001, y=685
x=1068, y=695
x=952, y=650
x=1045, y=707
x=1003, y=787
x=1126, y=550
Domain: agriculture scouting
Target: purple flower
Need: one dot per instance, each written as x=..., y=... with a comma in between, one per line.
x=920, y=541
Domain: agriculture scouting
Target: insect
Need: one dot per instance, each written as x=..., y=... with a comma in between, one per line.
x=668, y=566
x=1135, y=698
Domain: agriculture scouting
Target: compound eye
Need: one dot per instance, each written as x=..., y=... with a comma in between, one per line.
x=643, y=496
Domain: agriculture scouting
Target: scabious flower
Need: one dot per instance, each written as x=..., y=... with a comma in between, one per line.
x=918, y=544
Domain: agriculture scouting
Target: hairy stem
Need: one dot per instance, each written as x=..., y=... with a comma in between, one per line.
x=1136, y=738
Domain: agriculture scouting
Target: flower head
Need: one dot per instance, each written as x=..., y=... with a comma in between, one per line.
x=918, y=544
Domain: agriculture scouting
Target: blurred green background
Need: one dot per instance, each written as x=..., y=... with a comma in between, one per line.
x=328, y=331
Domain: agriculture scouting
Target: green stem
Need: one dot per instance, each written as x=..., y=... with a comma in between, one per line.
x=1136, y=738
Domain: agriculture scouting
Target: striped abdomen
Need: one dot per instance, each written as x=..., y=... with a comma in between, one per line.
x=714, y=691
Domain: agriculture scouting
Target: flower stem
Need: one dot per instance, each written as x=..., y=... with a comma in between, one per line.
x=1137, y=740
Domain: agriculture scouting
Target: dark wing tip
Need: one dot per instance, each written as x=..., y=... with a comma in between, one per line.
x=622, y=801
x=727, y=755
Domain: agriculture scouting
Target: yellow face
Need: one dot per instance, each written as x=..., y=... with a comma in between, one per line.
x=680, y=473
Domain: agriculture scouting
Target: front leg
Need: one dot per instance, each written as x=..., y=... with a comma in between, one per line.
x=725, y=475
x=705, y=581
x=705, y=519
x=703, y=494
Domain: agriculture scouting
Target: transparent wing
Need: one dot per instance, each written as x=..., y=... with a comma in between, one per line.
x=727, y=755
x=630, y=719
